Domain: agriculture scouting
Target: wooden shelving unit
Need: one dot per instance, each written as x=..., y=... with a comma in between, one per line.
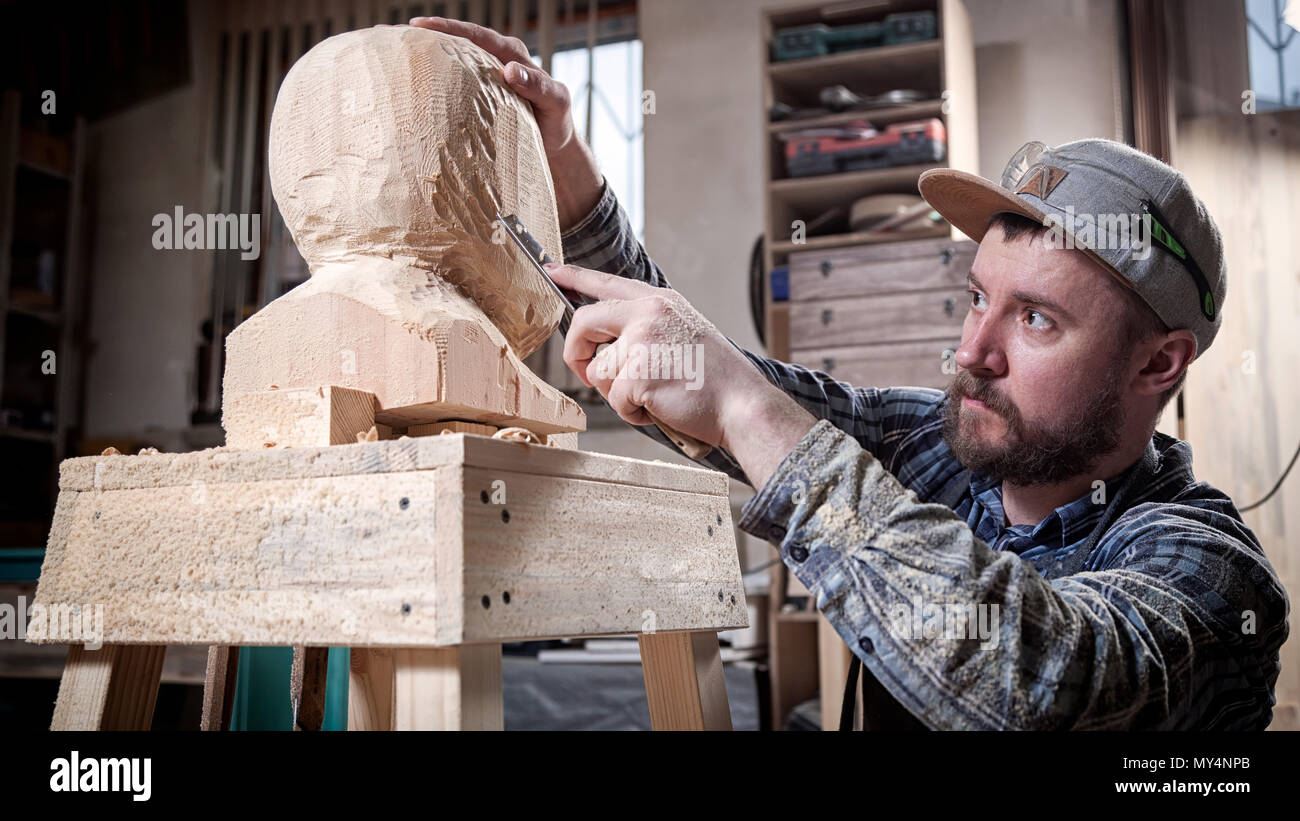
x=40, y=302
x=804, y=649
x=891, y=114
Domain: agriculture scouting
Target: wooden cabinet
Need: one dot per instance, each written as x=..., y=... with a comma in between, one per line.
x=869, y=308
x=895, y=267
x=919, y=364
x=880, y=315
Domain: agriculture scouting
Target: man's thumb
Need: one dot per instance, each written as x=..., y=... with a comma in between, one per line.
x=533, y=85
x=517, y=75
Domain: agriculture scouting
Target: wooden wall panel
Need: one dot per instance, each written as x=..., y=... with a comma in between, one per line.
x=1241, y=396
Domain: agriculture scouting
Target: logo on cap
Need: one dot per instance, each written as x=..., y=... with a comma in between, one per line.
x=1041, y=180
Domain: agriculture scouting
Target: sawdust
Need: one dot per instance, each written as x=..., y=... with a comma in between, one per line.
x=681, y=325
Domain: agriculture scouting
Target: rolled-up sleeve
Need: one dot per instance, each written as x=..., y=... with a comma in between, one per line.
x=1134, y=646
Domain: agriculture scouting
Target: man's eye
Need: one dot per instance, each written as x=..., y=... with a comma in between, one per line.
x=976, y=299
x=1037, y=320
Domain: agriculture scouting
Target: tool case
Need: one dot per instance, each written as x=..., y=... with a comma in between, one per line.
x=858, y=148
x=819, y=39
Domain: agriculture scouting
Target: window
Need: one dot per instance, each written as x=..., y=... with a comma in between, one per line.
x=1274, y=53
x=616, y=133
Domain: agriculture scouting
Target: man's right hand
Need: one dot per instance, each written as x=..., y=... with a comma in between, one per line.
x=577, y=179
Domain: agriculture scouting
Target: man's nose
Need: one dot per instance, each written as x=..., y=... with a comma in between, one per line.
x=981, y=349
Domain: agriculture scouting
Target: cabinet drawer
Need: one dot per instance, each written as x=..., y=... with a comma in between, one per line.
x=867, y=320
x=864, y=270
x=921, y=364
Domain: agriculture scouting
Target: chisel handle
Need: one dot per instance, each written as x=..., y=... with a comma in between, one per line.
x=691, y=446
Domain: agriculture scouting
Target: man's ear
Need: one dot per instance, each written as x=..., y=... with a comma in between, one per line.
x=1172, y=353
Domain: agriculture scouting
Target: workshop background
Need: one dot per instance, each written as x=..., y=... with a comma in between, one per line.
x=710, y=119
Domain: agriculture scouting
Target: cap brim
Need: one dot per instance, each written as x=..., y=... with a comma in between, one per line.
x=969, y=201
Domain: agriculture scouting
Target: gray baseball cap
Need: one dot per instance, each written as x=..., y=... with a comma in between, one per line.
x=1078, y=187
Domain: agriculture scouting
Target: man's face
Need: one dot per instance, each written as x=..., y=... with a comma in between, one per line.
x=1039, y=397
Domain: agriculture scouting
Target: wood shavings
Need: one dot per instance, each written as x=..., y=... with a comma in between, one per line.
x=111, y=451
x=371, y=435
x=518, y=435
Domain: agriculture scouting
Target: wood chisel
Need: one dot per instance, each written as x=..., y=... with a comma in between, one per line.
x=532, y=249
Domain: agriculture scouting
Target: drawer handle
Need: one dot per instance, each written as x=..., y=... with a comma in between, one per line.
x=828, y=363
x=946, y=255
x=949, y=306
x=826, y=267
x=827, y=316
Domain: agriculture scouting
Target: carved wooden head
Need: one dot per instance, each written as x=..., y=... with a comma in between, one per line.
x=403, y=143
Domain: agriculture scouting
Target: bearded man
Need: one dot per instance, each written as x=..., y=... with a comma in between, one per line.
x=1111, y=590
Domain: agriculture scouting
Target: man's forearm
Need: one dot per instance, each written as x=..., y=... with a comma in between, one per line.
x=1108, y=649
x=577, y=180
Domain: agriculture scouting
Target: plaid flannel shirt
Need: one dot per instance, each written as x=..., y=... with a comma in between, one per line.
x=1173, y=619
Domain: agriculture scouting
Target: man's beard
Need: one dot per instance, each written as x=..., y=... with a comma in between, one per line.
x=1036, y=454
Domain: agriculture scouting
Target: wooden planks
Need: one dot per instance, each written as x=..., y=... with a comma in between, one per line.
x=1241, y=395
x=327, y=415
x=105, y=473
x=298, y=417
x=113, y=688
x=684, y=681
x=560, y=557
x=399, y=558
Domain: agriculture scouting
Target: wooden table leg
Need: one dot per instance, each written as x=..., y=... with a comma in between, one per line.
x=307, y=687
x=112, y=688
x=370, y=689
x=219, y=688
x=684, y=682
x=448, y=688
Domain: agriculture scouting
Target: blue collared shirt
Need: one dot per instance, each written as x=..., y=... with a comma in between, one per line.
x=1172, y=620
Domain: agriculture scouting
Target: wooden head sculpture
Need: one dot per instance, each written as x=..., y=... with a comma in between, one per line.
x=391, y=151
